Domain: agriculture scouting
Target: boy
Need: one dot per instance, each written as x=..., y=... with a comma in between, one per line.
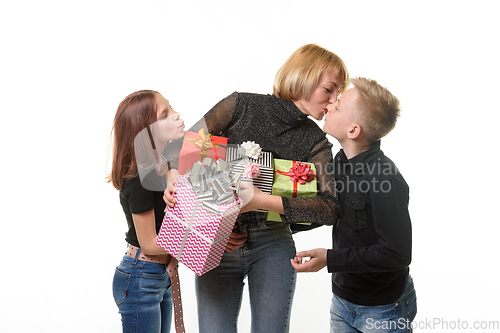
x=372, y=288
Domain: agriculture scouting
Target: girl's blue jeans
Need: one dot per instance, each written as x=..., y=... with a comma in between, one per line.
x=396, y=317
x=265, y=261
x=142, y=292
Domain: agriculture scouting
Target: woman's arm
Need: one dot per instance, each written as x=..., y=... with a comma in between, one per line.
x=254, y=198
x=219, y=117
x=323, y=208
x=146, y=233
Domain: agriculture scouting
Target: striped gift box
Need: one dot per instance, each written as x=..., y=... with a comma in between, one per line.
x=238, y=161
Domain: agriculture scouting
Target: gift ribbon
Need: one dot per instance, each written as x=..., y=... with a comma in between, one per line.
x=210, y=182
x=205, y=143
x=189, y=229
x=297, y=174
x=196, y=232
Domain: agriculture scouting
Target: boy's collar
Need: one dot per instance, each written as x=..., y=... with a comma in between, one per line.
x=364, y=158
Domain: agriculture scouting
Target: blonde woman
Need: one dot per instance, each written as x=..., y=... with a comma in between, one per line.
x=306, y=84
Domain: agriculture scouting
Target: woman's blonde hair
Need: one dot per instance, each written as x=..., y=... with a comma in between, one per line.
x=300, y=74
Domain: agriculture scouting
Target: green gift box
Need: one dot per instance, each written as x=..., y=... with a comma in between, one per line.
x=293, y=179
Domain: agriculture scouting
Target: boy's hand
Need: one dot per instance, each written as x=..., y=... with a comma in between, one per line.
x=317, y=260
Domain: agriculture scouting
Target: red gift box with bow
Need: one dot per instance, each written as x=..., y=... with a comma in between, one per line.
x=197, y=146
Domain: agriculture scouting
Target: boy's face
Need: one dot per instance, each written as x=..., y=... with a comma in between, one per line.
x=338, y=121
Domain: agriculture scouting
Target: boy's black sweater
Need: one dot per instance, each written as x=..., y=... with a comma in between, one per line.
x=372, y=238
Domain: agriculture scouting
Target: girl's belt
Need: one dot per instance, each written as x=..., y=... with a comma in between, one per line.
x=159, y=259
x=173, y=272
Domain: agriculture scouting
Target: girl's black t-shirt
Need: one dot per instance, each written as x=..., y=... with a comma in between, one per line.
x=135, y=198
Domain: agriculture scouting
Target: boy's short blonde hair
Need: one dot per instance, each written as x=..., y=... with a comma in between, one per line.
x=300, y=74
x=376, y=108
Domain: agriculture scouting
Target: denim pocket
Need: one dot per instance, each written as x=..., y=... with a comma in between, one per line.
x=155, y=276
x=410, y=305
x=378, y=318
x=273, y=225
x=153, y=281
x=386, y=312
x=121, y=283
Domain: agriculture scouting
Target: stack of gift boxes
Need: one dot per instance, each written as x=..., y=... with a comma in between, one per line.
x=196, y=230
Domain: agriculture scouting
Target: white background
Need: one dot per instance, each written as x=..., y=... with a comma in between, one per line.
x=65, y=66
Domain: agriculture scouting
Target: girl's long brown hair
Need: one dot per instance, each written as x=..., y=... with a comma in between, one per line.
x=136, y=112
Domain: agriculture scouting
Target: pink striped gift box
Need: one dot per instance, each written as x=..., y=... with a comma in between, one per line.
x=194, y=235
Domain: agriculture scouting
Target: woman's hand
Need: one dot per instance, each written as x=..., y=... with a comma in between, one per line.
x=254, y=198
x=168, y=194
x=316, y=262
x=236, y=240
x=251, y=196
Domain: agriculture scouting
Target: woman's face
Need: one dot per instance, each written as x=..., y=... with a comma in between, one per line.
x=325, y=93
x=170, y=125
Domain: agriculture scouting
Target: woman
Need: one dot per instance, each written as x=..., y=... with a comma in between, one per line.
x=143, y=126
x=306, y=84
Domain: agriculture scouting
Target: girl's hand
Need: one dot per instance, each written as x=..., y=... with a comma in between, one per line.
x=168, y=194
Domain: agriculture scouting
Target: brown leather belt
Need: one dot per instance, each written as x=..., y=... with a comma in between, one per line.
x=175, y=286
x=159, y=259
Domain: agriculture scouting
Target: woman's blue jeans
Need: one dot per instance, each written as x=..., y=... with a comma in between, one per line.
x=142, y=292
x=265, y=260
x=396, y=317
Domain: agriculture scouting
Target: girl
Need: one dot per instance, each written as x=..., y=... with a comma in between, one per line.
x=143, y=126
